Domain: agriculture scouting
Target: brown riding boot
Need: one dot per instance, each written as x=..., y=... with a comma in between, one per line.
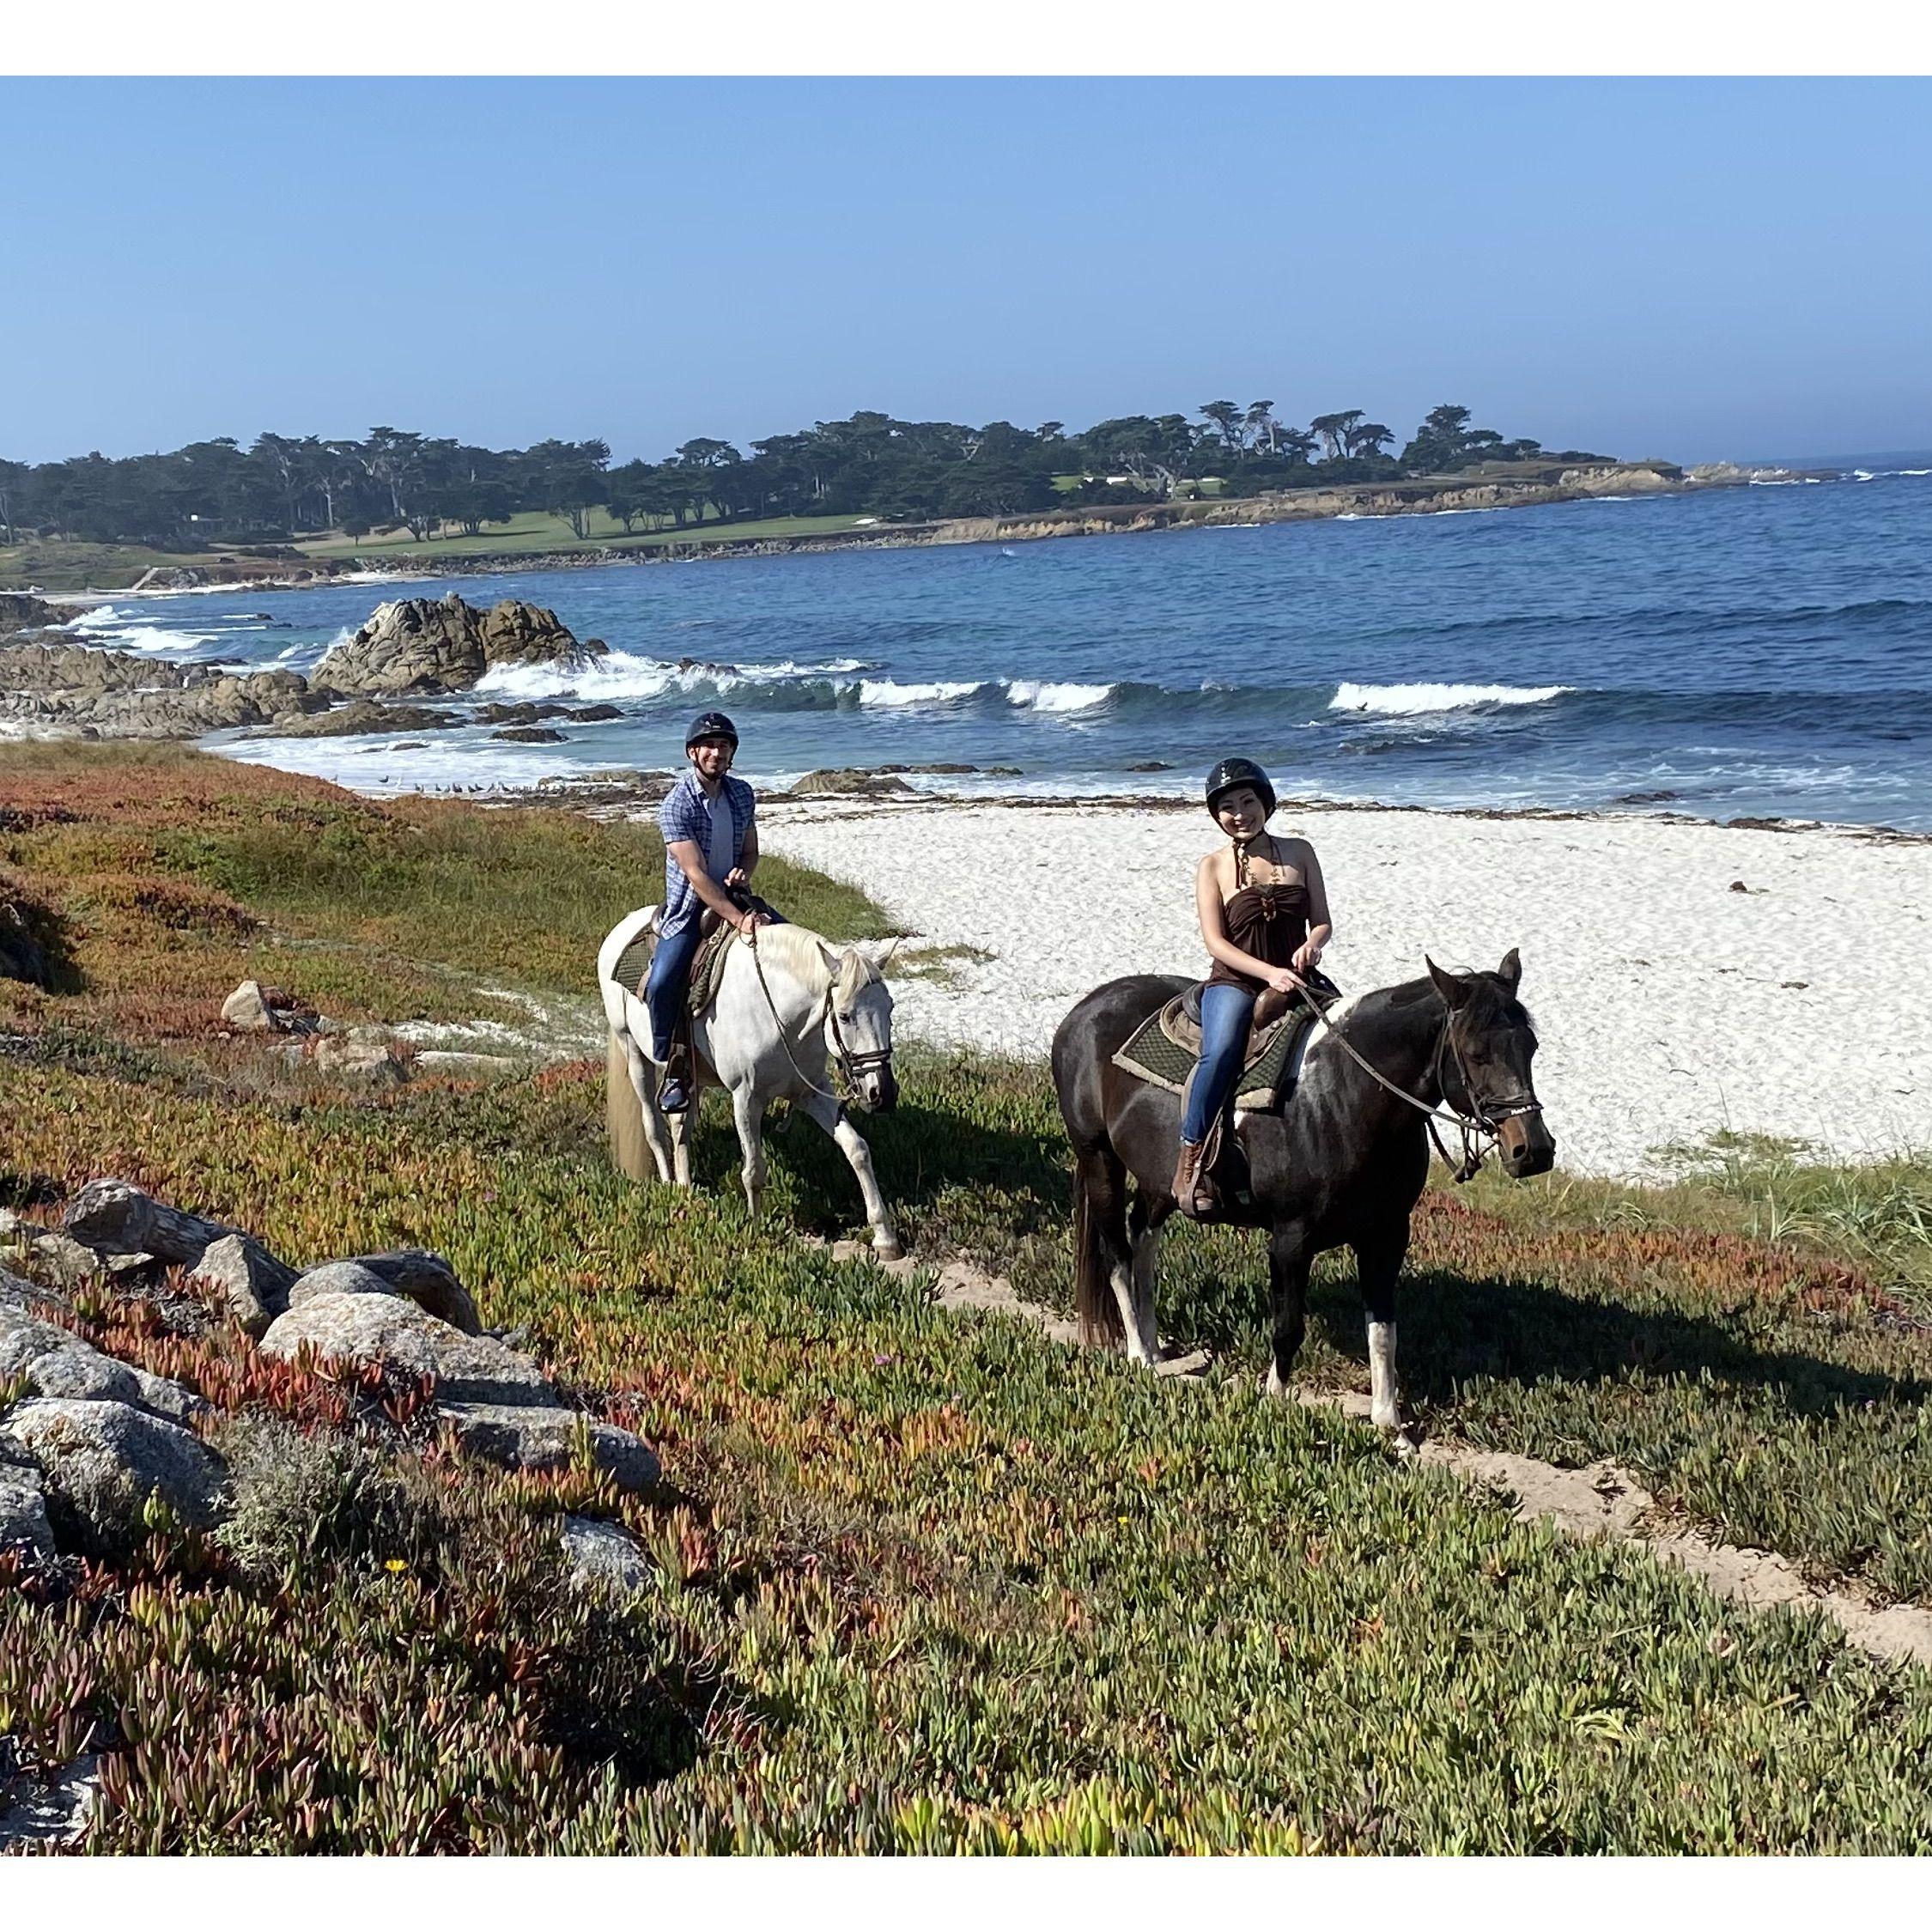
x=1189, y=1193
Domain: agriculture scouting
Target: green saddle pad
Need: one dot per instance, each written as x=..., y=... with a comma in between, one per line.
x=1152, y=1053
x=707, y=968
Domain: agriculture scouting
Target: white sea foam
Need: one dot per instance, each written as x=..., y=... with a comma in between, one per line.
x=1034, y=696
x=1403, y=700
x=627, y=674
x=115, y=630
x=885, y=691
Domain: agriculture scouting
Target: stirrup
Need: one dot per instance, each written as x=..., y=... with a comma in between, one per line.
x=673, y=1096
x=1191, y=1195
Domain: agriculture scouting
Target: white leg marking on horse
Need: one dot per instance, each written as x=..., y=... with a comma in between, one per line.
x=1275, y=1387
x=749, y=1111
x=1385, y=1405
x=1119, y=1278
x=852, y=1144
x=1147, y=1251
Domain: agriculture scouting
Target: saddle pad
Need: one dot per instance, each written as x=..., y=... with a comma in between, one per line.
x=707, y=967
x=1164, y=1047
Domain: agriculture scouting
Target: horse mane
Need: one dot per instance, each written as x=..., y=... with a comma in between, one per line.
x=1509, y=1011
x=797, y=949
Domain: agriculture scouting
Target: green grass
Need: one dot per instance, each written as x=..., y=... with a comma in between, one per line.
x=922, y=1582
x=536, y=530
x=59, y=566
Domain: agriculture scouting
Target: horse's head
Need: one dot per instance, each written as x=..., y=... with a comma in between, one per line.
x=1486, y=1070
x=859, y=1027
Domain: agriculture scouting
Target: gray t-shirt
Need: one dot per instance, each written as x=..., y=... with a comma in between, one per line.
x=718, y=846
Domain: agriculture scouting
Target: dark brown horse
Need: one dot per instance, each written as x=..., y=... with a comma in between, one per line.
x=1342, y=1162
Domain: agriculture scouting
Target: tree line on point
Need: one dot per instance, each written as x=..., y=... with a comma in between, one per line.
x=867, y=464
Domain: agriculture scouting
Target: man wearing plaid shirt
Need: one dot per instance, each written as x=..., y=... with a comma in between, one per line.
x=709, y=823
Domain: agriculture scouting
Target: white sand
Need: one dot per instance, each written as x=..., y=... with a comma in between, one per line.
x=1660, y=995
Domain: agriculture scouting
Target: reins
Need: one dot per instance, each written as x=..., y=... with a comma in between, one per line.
x=851, y=1065
x=1480, y=1128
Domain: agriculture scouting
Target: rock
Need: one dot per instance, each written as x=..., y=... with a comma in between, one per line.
x=336, y=1278
x=519, y=713
x=24, y=1339
x=393, y=1331
x=415, y=1274
x=418, y=644
x=23, y=1511
x=944, y=769
x=1004, y=771
x=23, y=956
x=603, y=1557
x=56, y=1362
x=362, y=1053
x=1152, y=764
x=115, y=1217
x=246, y=1009
x=95, y=1454
x=530, y=734
x=17, y=1294
x=850, y=783
x=429, y=1280
x=594, y=714
x=67, y=1261
x=19, y=611
x=119, y=694
x=546, y=1439
x=360, y=718
x=248, y=1281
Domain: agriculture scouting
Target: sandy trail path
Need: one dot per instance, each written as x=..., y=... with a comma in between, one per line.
x=1598, y=1500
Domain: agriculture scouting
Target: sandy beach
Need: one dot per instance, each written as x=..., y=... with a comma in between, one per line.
x=1685, y=979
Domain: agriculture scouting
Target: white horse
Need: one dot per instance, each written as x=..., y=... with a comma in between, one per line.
x=785, y=1001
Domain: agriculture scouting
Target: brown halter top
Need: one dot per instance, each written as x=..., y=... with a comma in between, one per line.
x=1268, y=922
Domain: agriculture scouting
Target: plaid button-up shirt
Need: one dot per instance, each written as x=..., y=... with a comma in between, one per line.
x=684, y=815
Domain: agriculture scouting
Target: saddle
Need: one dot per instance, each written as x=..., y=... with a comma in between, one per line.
x=1165, y=1048
x=708, y=970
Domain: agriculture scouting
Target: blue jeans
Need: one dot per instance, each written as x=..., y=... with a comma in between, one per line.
x=1225, y=1012
x=664, y=984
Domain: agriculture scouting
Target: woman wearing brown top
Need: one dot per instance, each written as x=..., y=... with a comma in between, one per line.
x=1264, y=913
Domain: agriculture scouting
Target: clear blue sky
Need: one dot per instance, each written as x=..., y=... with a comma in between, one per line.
x=1693, y=268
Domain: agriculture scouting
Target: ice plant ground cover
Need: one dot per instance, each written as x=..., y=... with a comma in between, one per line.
x=920, y=1581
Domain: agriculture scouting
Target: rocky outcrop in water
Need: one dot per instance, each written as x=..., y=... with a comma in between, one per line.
x=420, y=644
x=74, y=689
x=20, y=611
x=359, y=717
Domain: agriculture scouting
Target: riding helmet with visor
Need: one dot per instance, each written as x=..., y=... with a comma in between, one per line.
x=1232, y=772
x=711, y=724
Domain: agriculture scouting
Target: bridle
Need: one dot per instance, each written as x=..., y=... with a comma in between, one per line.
x=1479, y=1123
x=852, y=1064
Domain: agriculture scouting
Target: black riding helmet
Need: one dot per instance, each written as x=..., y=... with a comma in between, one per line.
x=711, y=724
x=1231, y=771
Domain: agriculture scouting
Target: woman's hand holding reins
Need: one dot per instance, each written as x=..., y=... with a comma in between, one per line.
x=1283, y=980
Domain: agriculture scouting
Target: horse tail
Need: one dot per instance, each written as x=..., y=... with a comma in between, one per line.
x=623, y=1114
x=1094, y=1301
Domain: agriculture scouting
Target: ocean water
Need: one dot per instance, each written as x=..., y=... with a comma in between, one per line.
x=1757, y=651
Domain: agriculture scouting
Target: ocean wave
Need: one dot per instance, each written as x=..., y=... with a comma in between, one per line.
x=1057, y=697
x=626, y=674
x=1403, y=700
x=885, y=691
x=146, y=639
